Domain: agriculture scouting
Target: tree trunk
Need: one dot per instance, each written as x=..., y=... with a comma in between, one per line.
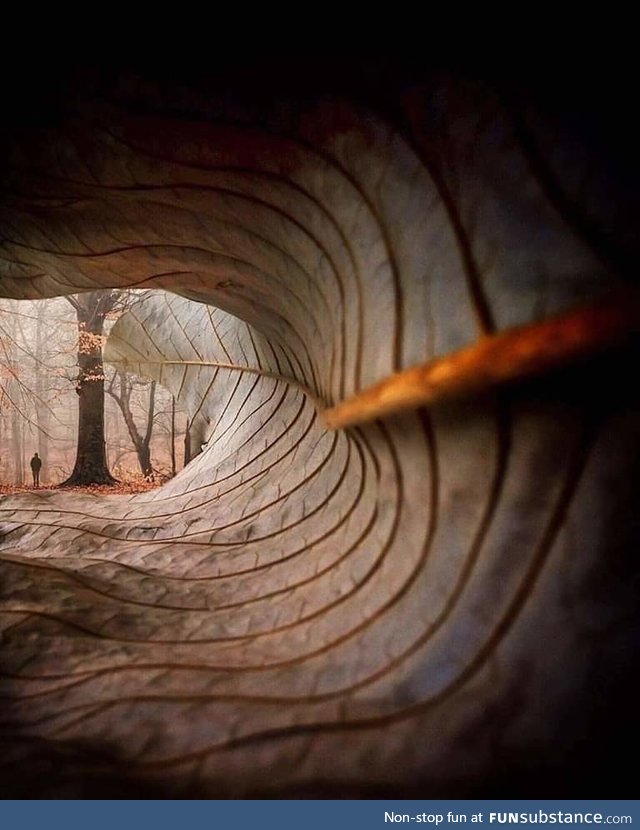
x=141, y=443
x=13, y=391
x=16, y=443
x=187, y=444
x=145, y=456
x=42, y=412
x=173, y=436
x=91, y=459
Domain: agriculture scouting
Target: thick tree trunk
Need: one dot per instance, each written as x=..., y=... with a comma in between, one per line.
x=91, y=459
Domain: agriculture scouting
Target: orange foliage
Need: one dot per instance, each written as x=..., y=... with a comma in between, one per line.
x=134, y=485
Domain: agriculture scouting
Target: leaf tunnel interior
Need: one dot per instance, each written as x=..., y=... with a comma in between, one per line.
x=441, y=602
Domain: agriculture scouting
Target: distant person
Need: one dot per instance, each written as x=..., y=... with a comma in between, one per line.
x=36, y=463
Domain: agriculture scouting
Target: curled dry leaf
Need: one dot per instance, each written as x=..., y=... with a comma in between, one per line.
x=418, y=602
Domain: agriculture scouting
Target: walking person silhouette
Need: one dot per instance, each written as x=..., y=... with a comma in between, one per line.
x=36, y=464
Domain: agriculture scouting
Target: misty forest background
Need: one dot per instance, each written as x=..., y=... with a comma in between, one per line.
x=50, y=366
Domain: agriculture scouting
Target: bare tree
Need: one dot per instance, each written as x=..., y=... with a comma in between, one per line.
x=172, y=434
x=122, y=396
x=91, y=459
x=34, y=356
x=42, y=412
x=13, y=395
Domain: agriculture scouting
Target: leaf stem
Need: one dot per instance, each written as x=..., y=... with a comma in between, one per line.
x=511, y=355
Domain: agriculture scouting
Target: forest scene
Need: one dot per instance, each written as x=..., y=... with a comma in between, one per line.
x=91, y=425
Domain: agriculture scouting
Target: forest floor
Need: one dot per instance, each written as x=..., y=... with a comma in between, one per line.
x=140, y=485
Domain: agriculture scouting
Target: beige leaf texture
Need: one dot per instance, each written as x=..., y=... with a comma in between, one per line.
x=412, y=606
